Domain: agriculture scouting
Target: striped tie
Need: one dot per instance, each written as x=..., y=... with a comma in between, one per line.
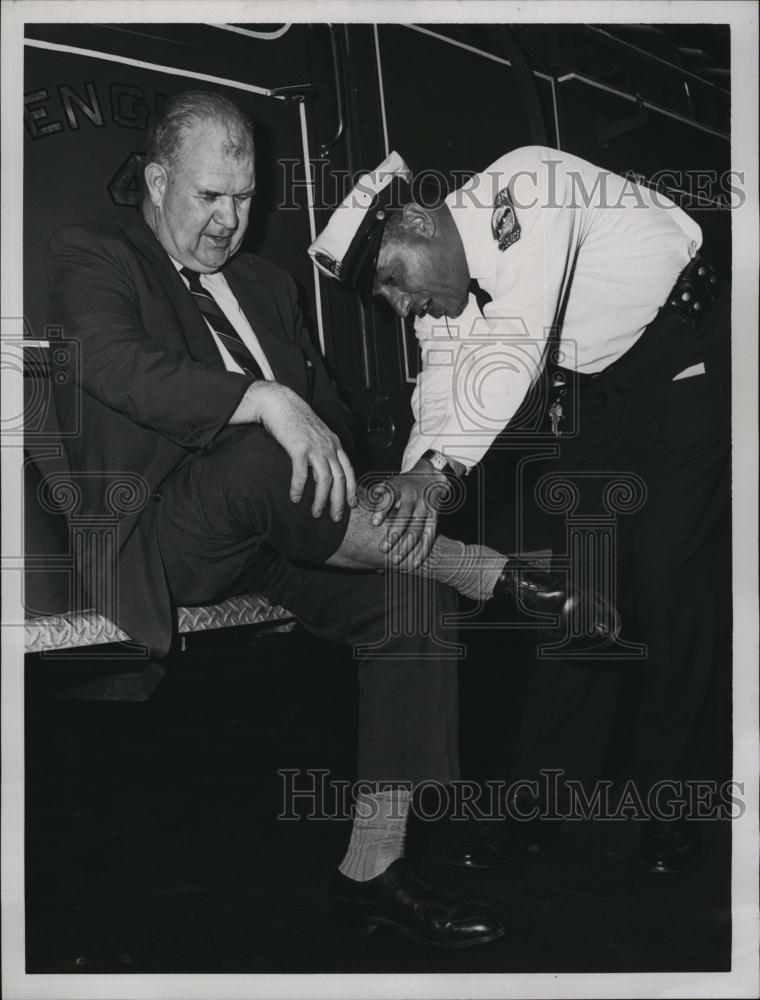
x=221, y=325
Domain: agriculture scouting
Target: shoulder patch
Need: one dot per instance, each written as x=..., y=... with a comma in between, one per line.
x=504, y=225
x=328, y=262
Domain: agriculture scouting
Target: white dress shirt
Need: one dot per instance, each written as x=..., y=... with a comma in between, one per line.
x=595, y=259
x=217, y=285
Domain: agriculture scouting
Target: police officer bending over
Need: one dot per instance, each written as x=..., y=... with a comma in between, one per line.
x=599, y=280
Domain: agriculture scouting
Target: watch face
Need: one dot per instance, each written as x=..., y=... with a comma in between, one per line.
x=436, y=459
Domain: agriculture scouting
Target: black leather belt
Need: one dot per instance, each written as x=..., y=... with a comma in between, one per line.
x=691, y=297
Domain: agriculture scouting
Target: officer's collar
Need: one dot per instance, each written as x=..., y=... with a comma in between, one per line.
x=471, y=212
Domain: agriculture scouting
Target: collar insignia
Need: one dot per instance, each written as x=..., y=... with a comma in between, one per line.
x=504, y=225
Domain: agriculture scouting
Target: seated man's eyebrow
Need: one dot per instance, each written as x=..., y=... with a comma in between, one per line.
x=220, y=194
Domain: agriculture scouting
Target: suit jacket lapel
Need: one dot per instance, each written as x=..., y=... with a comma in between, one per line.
x=256, y=300
x=260, y=307
x=200, y=343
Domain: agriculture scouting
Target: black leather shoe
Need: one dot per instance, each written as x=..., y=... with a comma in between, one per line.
x=668, y=848
x=497, y=842
x=540, y=590
x=533, y=589
x=401, y=900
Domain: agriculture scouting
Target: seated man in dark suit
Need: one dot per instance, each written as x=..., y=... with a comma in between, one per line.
x=200, y=389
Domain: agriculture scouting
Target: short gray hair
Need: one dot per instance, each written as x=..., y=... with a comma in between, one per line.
x=395, y=232
x=182, y=111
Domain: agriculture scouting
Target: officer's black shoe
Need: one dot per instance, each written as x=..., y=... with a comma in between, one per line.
x=497, y=842
x=549, y=593
x=668, y=848
x=534, y=589
x=399, y=899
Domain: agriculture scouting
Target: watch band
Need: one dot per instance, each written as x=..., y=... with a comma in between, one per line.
x=439, y=462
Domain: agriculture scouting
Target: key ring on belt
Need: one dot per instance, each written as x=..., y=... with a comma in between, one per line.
x=558, y=393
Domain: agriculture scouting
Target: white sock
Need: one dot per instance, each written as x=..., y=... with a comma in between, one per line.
x=377, y=836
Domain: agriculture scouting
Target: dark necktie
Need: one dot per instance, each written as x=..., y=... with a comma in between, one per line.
x=221, y=325
x=482, y=296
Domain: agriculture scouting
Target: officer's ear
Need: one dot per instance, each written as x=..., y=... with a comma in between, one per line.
x=155, y=183
x=419, y=220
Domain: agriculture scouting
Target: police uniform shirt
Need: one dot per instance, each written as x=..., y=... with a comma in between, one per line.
x=557, y=243
x=216, y=285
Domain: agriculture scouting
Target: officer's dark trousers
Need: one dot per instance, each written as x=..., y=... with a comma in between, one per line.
x=673, y=559
x=227, y=526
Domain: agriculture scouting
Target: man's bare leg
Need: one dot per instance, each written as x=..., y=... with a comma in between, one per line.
x=479, y=573
x=470, y=569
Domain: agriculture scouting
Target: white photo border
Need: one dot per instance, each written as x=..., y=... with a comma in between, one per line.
x=744, y=978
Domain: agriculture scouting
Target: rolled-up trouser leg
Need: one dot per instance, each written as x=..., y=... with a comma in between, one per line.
x=226, y=511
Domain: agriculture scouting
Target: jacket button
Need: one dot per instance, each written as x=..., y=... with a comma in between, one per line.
x=157, y=495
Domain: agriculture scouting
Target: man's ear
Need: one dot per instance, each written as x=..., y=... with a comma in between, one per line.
x=419, y=220
x=155, y=183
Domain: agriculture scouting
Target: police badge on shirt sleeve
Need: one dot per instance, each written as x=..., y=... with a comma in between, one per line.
x=504, y=225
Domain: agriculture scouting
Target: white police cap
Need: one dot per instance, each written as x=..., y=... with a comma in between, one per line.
x=348, y=246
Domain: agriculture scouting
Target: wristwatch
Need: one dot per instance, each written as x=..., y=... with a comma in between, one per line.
x=440, y=463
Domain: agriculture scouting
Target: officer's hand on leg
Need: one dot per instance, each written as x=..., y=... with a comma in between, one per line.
x=409, y=503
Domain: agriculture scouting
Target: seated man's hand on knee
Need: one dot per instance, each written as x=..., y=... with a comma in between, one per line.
x=309, y=442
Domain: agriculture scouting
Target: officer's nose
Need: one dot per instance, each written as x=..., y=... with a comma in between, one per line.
x=400, y=302
x=226, y=213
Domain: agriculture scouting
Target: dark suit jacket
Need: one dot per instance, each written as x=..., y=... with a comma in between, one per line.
x=151, y=387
